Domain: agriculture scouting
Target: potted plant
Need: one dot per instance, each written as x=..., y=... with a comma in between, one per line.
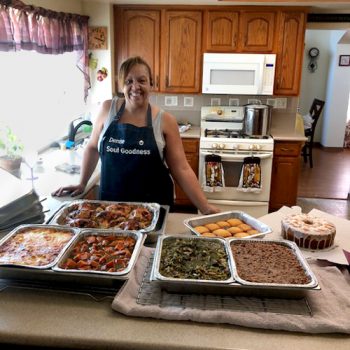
x=11, y=149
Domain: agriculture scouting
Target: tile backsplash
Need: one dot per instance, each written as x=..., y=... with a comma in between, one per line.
x=282, y=118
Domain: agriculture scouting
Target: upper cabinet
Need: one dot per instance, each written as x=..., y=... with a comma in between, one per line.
x=220, y=31
x=257, y=30
x=181, y=51
x=290, y=50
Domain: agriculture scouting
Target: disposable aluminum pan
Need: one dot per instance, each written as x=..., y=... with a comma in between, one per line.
x=235, y=214
x=298, y=256
x=138, y=236
x=62, y=213
x=169, y=282
x=22, y=228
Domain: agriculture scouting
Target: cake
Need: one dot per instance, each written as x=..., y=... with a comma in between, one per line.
x=308, y=232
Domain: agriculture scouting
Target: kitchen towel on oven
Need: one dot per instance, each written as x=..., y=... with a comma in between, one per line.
x=250, y=180
x=213, y=174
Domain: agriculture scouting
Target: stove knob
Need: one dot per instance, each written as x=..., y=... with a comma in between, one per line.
x=222, y=146
x=219, y=111
x=214, y=145
x=235, y=147
x=254, y=147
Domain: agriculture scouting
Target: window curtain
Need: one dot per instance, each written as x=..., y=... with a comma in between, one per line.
x=25, y=27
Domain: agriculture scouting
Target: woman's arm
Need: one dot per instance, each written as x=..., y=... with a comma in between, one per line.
x=180, y=170
x=90, y=157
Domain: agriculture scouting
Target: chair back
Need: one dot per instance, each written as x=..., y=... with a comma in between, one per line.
x=315, y=112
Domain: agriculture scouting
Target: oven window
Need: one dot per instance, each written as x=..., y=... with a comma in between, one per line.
x=232, y=173
x=232, y=77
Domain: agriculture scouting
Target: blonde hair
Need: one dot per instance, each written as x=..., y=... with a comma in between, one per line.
x=128, y=65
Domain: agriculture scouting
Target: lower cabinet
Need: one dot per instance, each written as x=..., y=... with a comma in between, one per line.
x=191, y=147
x=285, y=174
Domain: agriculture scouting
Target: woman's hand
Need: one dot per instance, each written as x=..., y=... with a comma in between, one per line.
x=210, y=209
x=73, y=190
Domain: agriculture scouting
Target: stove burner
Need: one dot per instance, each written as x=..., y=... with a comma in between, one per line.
x=221, y=133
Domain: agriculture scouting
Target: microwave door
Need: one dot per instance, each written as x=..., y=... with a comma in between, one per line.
x=232, y=78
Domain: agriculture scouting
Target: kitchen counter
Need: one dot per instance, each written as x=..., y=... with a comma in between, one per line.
x=53, y=319
x=290, y=134
x=194, y=132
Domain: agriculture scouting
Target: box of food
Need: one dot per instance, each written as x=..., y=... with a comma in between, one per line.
x=270, y=263
x=130, y=216
x=35, y=246
x=230, y=224
x=107, y=252
x=181, y=261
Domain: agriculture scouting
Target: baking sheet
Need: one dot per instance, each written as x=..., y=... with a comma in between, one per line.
x=138, y=236
x=27, y=227
x=296, y=252
x=206, y=219
x=61, y=214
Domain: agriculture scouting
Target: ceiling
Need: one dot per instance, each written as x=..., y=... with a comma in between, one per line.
x=326, y=6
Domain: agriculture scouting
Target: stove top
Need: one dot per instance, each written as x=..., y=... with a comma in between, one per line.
x=232, y=134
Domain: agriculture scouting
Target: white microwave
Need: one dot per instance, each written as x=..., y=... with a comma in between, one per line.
x=238, y=74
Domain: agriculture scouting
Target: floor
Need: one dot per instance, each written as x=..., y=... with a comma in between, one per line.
x=326, y=186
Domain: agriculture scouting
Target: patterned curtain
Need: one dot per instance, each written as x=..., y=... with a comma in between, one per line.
x=25, y=27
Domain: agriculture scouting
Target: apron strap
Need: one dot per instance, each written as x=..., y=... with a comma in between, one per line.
x=149, y=114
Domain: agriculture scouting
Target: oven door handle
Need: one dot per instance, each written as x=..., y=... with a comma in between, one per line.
x=235, y=157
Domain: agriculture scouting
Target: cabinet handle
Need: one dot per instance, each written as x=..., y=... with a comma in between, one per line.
x=285, y=149
x=166, y=81
x=157, y=81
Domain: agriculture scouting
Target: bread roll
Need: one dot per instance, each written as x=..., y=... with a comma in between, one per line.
x=201, y=229
x=212, y=227
x=223, y=224
x=252, y=232
x=241, y=235
x=222, y=233
x=245, y=227
x=235, y=229
x=209, y=234
x=234, y=222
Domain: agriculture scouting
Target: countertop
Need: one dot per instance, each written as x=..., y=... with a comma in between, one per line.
x=53, y=319
x=193, y=132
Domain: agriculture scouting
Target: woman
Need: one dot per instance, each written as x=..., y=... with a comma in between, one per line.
x=138, y=145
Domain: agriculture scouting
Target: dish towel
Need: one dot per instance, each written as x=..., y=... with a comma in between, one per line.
x=250, y=180
x=213, y=174
x=330, y=306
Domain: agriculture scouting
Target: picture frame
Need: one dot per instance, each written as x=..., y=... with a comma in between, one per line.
x=344, y=60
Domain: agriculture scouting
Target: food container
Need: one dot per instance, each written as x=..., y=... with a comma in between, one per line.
x=257, y=120
x=29, y=243
x=295, y=258
x=104, y=241
x=61, y=217
x=190, y=245
x=224, y=216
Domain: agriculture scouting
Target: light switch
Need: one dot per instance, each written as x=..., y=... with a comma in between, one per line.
x=170, y=101
x=215, y=101
x=188, y=101
x=233, y=102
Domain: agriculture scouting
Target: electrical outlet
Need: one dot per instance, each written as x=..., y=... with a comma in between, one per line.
x=233, y=102
x=254, y=101
x=281, y=103
x=271, y=102
x=170, y=101
x=188, y=101
x=215, y=101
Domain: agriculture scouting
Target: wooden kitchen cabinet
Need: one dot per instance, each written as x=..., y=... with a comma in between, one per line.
x=191, y=147
x=220, y=31
x=257, y=31
x=137, y=33
x=164, y=38
x=290, y=52
x=285, y=173
x=181, y=51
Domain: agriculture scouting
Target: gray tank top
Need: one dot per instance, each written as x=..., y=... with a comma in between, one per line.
x=156, y=123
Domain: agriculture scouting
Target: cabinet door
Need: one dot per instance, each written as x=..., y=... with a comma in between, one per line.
x=257, y=31
x=181, y=51
x=220, y=31
x=290, y=53
x=138, y=35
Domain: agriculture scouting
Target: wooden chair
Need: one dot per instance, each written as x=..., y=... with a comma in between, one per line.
x=315, y=112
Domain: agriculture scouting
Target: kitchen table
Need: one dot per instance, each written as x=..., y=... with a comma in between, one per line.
x=54, y=319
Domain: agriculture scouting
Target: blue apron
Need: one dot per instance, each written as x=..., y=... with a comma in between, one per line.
x=132, y=169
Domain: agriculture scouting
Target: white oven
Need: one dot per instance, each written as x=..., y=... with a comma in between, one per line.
x=221, y=135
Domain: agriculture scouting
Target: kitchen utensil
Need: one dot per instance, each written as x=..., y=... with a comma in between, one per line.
x=257, y=120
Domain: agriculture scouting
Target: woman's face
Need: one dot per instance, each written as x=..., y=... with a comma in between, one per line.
x=137, y=85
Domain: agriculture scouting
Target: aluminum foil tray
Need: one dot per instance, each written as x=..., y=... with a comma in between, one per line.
x=206, y=219
x=152, y=236
x=296, y=252
x=61, y=214
x=139, y=239
x=171, y=282
x=22, y=228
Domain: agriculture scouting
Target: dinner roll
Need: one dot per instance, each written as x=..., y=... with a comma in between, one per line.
x=235, y=229
x=241, y=235
x=234, y=222
x=208, y=234
x=245, y=227
x=223, y=224
x=222, y=233
x=201, y=229
x=212, y=226
x=252, y=232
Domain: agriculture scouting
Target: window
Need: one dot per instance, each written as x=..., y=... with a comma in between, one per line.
x=40, y=95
